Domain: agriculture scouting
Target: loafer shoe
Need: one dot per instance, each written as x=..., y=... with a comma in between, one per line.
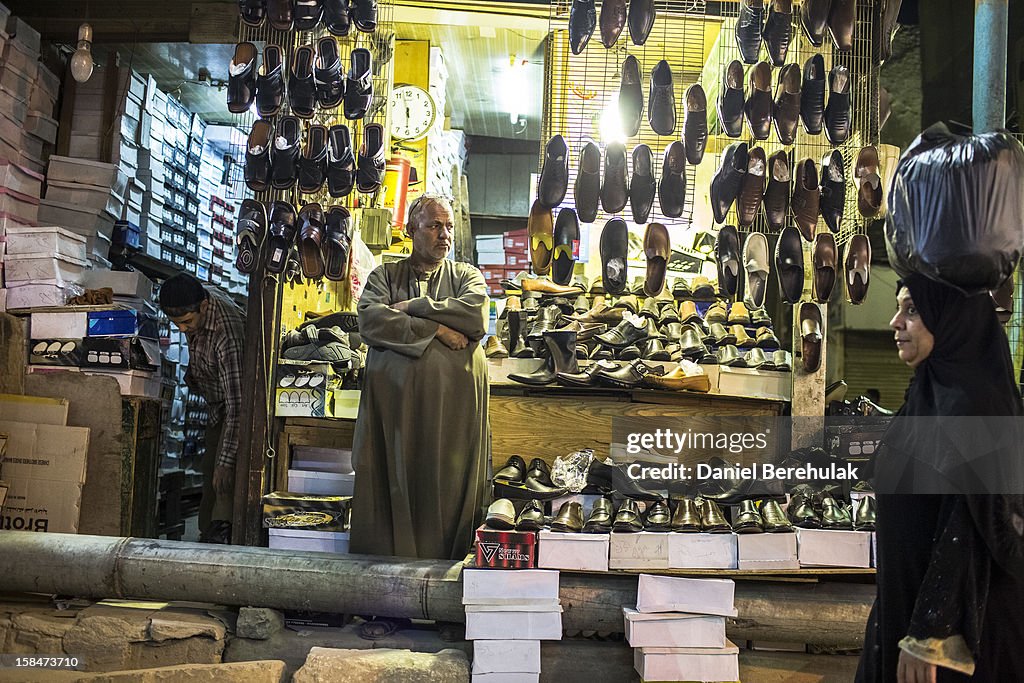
x=658, y=517
x=731, y=100
x=865, y=516
x=858, y=268
x=833, y=190
x=748, y=520
x=600, y=519
x=812, y=95
x=642, y=185
x=727, y=257
x=501, y=514
x=614, y=248
x=824, y=258
x=582, y=22
x=869, y=182
x=834, y=515
x=775, y=520
x=695, y=124
x=242, y=79
x=758, y=107
x=614, y=189
x=806, y=202
x=554, y=174
x=587, y=187
x=776, y=194
x=661, y=105
x=711, y=518
x=838, y=120
x=748, y=202
x=658, y=250
x=672, y=186
x=588, y=376
x=778, y=30
x=569, y=518
x=630, y=331
x=627, y=519
x=789, y=265
x=566, y=239
x=686, y=517
x=629, y=376
x=542, y=238
x=810, y=336
x=756, y=263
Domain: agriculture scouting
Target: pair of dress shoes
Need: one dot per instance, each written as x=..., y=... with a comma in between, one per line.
x=337, y=16
x=501, y=515
x=838, y=17
x=617, y=375
x=616, y=14
x=516, y=480
x=812, y=509
x=769, y=517
x=629, y=519
x=775, y=29
x=661, y=101
x=692, y=515
x=755, y=358
x=754, y=182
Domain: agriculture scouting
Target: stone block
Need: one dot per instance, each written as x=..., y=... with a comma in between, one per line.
x=151, y=655
x=383, y=666
x=176, y=623
x=103, y=636
x=45, y=624
x=258, y=623
x=266, y=671
x=28, y=643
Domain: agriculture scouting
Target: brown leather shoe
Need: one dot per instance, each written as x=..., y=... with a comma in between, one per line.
x=678, y=380
x=776, y=195
x=602, y=313
x=584, y=330
x=743, y=340
x=494, y=348
x=869, y=182
x=711, y=518
x=841, y=18
x=658, y=250
x=786, y=113
x=758, y=106
x=748, y=204
x=547, y=286
x=541, y=228
x=613, y=20
x=806, y=198
x=825, y=258
x=858, y=268
x=810, y=335
x=686, y=518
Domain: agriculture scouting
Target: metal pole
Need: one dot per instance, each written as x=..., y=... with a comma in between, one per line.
x=991, y=21
x=828, y=613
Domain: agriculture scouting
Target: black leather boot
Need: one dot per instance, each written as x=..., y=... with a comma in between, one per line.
x=517, y=348
x=560, y=348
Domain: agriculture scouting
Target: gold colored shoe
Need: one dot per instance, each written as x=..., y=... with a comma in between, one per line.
x=686, y=518
x=679, y=380
x=688, y=312
x=718, y=313
x=513, y=303
x=702, y=288
x=743, y=340
x=738, y=314
x=494, y=348
x=711, y=518
x=541, y=229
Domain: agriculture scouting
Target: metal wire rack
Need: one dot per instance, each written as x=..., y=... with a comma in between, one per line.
x=580, y=100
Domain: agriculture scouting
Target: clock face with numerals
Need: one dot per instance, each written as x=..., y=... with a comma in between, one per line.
x=412, y=112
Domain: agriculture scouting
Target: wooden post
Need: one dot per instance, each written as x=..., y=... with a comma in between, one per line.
x=808, y=405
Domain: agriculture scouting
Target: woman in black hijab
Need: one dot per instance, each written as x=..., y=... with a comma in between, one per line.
x=950, y=599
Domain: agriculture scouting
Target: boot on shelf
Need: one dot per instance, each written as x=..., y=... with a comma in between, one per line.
x=560, y=356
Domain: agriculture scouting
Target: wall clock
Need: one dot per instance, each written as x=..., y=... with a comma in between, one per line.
x=413, y=112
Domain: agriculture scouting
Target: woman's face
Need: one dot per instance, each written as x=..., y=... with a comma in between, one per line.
x=914, y=341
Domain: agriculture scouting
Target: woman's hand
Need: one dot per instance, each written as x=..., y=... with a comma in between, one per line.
x=453, y=339
x=910, y=669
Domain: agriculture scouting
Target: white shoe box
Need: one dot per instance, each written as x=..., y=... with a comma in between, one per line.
x=688, y=664
x=129, y=283
x=673, y=629
x=321, y=483
x=537, y=587
x=831, y=548
x=680, y=594
x=702, y=551
x=579, y=552
x=506, y=656
x=513, y=622
x=59, y=325
x=643, y=550
x=308, y=539
x=33, y=296
x=768, y=551
x=506, y=678
x=46, y=240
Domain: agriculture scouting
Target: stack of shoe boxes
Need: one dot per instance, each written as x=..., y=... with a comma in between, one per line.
x=502, y=257
x=19, y=205
x=508, y=613
x=678, y=629
x=152, y=172
x=446, y=149
x=42, y=266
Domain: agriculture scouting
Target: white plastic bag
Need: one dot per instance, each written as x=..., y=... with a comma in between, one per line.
x=361, y=265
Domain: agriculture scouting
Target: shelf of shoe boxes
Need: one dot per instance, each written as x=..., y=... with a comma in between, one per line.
x=446, y=149
x=28, y=93
x=302, y=295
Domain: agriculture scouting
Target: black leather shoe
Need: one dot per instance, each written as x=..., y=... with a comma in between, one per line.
x=748, y=29
x=631, y=96
x=730, y=100
x=286, y=153
x=834, y=515
x=281, y=239
x=600, y=519
x=546, y=320
x=641, y=20
x=359, y=85
x=642, y=185
x=776, y=194
x=748, y=520
x=672, y=186
x=864, y=520
x=628, y=376
x=686, y=518
x=842, y=16
x=801, y=512
x=587, y=188
x=313, y=162
x=281, y=14
x=711, y=518
x=554, y=174
x=337, y=20
x=308, y=14
x=814, y=20
x=748, y=202
x=567, y=233
x=806, y=202
x=654, y=350
x=775, y=520
x=539, y=472
x=837, y=112
x=614, y=190
x=625, y=333
x=514, y=470
x=257, y=156
x=327, y=76
x=341, y=162
x=501, y=515
x=661, y=105
x=582, y=22
x=370, y=173
x=658, y=517
x=786, y=112
x=614, y=248
x=812, y=95
x=789, y=265
x=252, y=12
x=364, y=15
x=695, y=124
x=627, y=519
x=569, y=518
x=270, y=82
x=242, y=78
x=758, y=108
x=727, y=258
x=833, y=189
x=613, y=20
x=588, y=377
x=778, y=30
x=531, y=517
x=301, y=89
x=725, y=186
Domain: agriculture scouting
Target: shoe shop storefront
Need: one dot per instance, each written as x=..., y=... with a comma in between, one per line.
x=569, y=324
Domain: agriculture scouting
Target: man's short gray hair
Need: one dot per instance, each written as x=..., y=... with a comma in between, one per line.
x=420, y=204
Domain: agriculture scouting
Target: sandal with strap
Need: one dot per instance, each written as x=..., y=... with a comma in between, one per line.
x=338, y=243
x=359, y=88
x=250, y=229
x=282, y=236
x=370, y=174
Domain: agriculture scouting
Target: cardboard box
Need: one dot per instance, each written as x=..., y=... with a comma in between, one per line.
x=37, y=409
x=41, y=268
x=30, y=240
x=97, y=174
x=644, y=550
x=581, y=552
x=538, y=587
x=19, y=179
x=42, y=505
x=132, y=382
x=70, y=324
x=673, y=629
x=679, y=594
x=768, y=551
x=87, y=196
x=59, y=352
x=688, y=664
x=506, y=656
x=512, y=622
x=309, y=540
x=21, y=205
x=303, y=402
x=38, y=296
x=77, y=219
x=285, y=510
x=831, y=548
x=121, y=353
x=123, y=322
x=702, y=551
x=124, y=283
x=321, y=483
x=506, y=549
